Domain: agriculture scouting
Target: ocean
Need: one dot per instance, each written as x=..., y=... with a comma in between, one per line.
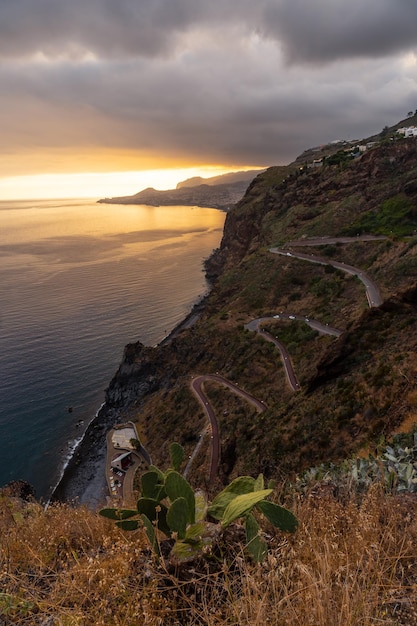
x=78, y=281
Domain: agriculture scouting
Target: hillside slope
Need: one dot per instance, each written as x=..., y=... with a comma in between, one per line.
x=222, y=179
x=355, y=389
x=284, y=266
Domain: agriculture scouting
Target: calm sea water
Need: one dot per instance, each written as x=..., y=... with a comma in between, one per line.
x=79, y=280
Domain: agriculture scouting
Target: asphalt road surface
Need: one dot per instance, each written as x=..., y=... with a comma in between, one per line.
x=372, y=292
x=197, y=384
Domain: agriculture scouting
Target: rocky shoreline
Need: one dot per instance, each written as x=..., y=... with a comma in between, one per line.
x=83, y=481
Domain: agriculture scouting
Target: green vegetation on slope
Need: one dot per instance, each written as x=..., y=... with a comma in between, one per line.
x=352, y=559
x=396, y=217
x=354, y=388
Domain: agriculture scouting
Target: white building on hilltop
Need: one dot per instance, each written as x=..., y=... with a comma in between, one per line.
x=409, y=131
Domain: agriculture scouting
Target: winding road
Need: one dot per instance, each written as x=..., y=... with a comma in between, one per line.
x=324, y=241
x=372, y=292
x=324, y=329
x=374, y=300
x=197, y=385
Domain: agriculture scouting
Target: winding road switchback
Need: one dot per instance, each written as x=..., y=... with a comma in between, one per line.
x=255, y=326
x=372, y=292
x=197, y=388
x=324, y=241
x=323, y=329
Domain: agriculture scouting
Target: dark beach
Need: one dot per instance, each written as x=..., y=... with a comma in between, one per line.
x=83, y=480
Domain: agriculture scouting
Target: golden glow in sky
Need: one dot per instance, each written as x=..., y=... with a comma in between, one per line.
x=99, y=184
x=123, y=86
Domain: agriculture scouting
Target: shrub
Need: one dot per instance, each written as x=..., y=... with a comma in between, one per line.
x=168, y=505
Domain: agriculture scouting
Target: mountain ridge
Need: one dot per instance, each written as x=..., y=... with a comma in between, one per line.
x=222, y=179
x=210, y=192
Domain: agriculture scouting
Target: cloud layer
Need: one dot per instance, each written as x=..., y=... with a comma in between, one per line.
x=237, y=83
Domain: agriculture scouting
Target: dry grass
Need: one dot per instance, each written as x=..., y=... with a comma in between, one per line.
x=348, y=564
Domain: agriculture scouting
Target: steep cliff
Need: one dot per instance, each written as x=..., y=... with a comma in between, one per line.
x=290, y=203
x=356, y=388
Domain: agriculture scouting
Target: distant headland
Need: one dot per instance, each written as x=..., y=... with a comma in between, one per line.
x=219, y=192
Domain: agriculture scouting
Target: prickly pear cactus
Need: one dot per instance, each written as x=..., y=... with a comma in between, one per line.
x=168, y=506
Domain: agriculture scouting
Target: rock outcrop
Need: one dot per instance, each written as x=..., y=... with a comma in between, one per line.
x=135, y=377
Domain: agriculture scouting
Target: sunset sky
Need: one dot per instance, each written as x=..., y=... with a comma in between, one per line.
x=98, y=96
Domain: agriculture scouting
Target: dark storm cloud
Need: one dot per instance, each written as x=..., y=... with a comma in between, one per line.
x=207, y=82
x=235, y=108
x=325, y=30
x=307, y=30
x=98, y=26
x=108, y=27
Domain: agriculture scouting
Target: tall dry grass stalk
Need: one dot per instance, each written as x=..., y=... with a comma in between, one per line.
x=350, y=563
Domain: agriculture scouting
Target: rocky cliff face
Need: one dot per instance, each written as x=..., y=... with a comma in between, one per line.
x=383, y=172
x=242, y=228
x=135, y=377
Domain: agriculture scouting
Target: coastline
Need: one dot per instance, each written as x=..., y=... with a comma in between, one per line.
x=83, y=480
